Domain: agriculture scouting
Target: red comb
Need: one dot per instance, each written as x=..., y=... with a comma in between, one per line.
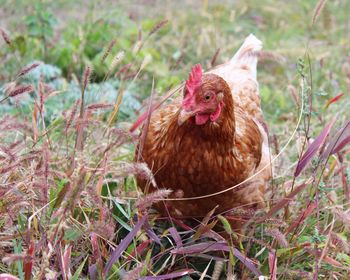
x=194, y=79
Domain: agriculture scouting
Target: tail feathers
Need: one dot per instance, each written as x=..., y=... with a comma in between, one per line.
x=247, y=55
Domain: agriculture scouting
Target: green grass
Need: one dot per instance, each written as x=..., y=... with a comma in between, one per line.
x=68, y=197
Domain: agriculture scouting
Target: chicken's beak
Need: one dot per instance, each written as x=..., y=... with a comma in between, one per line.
x=184, y=116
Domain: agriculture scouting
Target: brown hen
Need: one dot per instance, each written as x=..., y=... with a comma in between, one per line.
x=210, y=140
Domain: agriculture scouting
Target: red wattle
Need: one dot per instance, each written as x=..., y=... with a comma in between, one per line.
x=214, y=116
x=201, y=119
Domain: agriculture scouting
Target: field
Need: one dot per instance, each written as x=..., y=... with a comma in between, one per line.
x=74, y=78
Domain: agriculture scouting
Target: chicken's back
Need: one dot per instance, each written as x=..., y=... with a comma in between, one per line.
x=240, y=75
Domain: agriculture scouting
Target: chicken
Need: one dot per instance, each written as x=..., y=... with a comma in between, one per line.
x=210, y=140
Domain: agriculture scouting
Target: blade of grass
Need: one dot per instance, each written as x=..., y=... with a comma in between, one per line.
x=169, y=275
x=147, y=227
x=339, y=141
x=116, y=254
x=116, y=107
x=28, y=263
x=333, y=100
x=217, y=246
x=273, y=265
x=139, y=249
x=79, y=270
x=313, y=148
x=205, y=271
x=5, y=276
x=123, y=224
x=145, y=127
x=176, y=236
x=203, y=228
x=302, y=217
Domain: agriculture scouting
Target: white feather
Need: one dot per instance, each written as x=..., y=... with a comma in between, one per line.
x=246, y=57
x=248, y=54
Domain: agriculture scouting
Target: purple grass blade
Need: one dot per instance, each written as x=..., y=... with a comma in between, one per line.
x=247, y=262
x=339, y=141
x=93, y=272
x=301, y=218
x=208, y=257
x=214, y=235
x=5, y=276
x=28, y=262
x=217, y=246
x=123, y=245
x=176, y=236
x=341, y=144
x=273, y=265
x=151, y=233
x=313, y=148
x=202, y=248
x=170, y=275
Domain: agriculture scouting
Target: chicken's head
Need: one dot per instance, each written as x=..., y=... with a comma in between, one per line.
x=203, y=97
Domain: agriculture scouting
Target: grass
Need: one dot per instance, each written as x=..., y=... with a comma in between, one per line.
x=69, y=204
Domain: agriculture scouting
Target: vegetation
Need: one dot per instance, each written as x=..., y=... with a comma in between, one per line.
x=74, y=78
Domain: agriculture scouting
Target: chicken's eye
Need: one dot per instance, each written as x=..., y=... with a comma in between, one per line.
x=207, y=97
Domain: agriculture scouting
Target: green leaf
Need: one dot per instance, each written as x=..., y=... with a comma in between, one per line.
x=21, y=222
x=288, y=251
x=62, y=190
x=79, y=270
x=147, y=263
x=121, y=209
x=18, y=250
x=124, y=224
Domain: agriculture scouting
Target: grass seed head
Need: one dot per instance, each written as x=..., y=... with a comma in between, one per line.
x=108, y=50
x=21, y=90
x=118, y=58
x=87, y=76
x=158, y=26
x=5, y=36
x=24, y=71
x=146, y=201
